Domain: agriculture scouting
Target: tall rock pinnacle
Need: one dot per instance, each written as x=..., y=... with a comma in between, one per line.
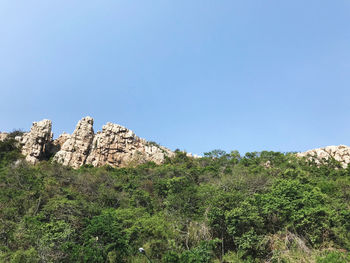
x=36, y=143
x=76, y=148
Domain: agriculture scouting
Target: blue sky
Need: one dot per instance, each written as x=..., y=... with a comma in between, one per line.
x=195, y=75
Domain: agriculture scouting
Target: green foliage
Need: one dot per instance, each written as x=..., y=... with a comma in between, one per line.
x=262, y=207
x=9, y=151
x=24, y=256
x=334, y=257
x=101, y=237
x=201, y=254
x=15, y=133
x=53, y=236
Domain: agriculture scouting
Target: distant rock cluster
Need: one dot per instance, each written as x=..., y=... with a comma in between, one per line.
x=340, y=153
x=118, y=146
x=115, y=145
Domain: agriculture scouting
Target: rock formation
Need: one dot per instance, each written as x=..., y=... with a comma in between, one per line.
x=340, y=153
x=3, y=136
x=115, y=145
x=76, y=148
x=58, y=143
x=36, y=143
x=118, y=146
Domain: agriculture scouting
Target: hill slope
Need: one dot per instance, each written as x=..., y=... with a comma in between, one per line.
x=219, y=208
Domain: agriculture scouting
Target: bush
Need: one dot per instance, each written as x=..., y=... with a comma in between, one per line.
x=265, y=206
x=334, y=257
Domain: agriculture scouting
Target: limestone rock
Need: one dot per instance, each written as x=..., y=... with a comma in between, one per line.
x=58, y=143
x=61, y=139
x=195, y=156
x=3, y=136
x=36, y=142
x=76, y=148
x=340, y=153
x=115, y=145
x=119, y=146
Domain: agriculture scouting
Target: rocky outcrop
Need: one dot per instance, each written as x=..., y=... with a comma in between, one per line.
x=115, y=145
x=61, y=140
x=36, y=143
x=57, y=144
x=3, y=136
x=76, y=148
x=340, y=153
x=119, y=146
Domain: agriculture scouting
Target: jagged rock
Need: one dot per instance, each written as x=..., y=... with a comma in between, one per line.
x=76, y=148
x=3, y=136
x=195, y=156
x=115, y=145
x=340, y=153
x=119, y=146
x=57, y=144
x=61, y=139
x=36, y=142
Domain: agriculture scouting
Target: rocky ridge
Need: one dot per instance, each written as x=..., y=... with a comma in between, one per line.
x=115, y=145
x=339, y=153
x=118, y=146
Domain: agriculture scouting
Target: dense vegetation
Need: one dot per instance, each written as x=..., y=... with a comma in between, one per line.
x=261, y=207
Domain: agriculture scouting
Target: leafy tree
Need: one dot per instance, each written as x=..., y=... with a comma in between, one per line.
x=102, y=235
x=262, y=207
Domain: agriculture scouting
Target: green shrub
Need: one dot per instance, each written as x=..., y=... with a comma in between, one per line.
x=334, y=257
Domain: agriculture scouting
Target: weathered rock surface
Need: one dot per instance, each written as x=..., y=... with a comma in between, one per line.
x=61, y=140
x=76, y=148
x=3, y=136
x=57, y=144
x=115, y=145
x=119, y=146
x=340, y=153
x=36, y=143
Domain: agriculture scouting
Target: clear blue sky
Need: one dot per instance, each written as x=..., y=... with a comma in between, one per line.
x=195, y=75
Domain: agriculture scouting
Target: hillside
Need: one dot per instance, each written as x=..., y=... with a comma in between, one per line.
x=223, y=207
